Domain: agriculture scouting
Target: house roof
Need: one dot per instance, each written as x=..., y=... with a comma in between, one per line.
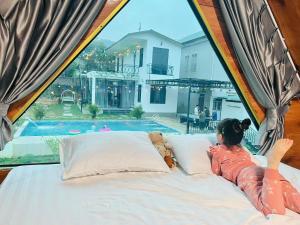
x=136, y=34
x=193, y=37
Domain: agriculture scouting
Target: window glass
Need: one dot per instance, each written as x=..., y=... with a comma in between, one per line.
x=141, y=57
x=160, y=61
x=158, y=95
x=124, y=80
x=194, y=63
x=186, y=63
x=217, y=104
x=139, y=92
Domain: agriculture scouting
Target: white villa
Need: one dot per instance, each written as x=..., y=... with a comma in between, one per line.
x=199, y=60
x=149, y=55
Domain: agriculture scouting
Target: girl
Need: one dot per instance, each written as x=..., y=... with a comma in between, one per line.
x=268, y=191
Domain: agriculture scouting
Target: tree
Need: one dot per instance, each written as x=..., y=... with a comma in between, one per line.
x=39, y=111
x=72, y=69
x=94, y=57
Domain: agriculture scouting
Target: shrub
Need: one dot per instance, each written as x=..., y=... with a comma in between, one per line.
x=93, y=110
x=53, y=144
x=137, y=112
x=39, y=112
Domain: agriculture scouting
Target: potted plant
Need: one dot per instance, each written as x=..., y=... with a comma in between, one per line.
x=93, y=109
x=137, y=112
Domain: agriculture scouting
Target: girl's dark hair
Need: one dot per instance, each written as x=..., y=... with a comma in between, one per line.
x=233, y=130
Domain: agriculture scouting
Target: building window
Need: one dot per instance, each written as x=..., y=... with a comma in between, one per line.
x=217, y=104
x=139, y=93
x=201, y=102
x=141, y=57
x=158, y=95
x=186, y=63
x=118, y=64
x=194, y=63
x=160, y=59
x=122, y=65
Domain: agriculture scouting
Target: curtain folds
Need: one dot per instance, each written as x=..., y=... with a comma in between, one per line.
x=264, y=62
x=35, y=39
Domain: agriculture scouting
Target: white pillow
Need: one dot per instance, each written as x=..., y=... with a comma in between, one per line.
x=191, y=152
x=109, y=152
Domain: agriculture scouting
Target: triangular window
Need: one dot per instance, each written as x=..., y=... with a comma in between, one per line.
x=149, y=70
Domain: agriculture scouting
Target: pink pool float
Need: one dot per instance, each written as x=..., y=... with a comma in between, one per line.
x=105, y=129
x=73, y=132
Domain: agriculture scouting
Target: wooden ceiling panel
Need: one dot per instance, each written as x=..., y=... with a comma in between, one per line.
x=287, y=16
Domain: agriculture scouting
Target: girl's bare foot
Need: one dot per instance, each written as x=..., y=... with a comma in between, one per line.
x=279, y=149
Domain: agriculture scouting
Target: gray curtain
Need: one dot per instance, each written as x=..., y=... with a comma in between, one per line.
x=36, y=36
x=264, y=62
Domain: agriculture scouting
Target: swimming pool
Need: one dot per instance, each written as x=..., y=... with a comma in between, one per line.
x=56, y=128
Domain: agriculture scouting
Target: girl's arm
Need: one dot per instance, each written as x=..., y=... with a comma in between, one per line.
x=215, y=165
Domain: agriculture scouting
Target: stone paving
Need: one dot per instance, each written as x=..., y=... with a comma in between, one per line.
x=173, y=122
x=67, y=110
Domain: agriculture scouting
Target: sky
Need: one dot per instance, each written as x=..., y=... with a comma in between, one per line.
x=173, y=18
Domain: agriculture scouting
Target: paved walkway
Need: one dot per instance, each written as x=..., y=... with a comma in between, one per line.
x=171, y=122
x=67, y=110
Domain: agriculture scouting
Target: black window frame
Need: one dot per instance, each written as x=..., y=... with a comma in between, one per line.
x=217, y=104
x=139, y=97
x=141, y=58
x=155, y=91
x=118, y=64
x=160, y=55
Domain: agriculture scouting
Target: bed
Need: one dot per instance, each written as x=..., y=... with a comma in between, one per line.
x=36, y=195
x=119, y=177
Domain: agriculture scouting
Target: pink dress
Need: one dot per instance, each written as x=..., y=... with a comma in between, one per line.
x=268, y=191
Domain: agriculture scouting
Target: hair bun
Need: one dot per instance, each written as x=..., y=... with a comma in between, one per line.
x=246, y=123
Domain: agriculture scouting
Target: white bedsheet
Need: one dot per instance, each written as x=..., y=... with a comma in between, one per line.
x=36, y=195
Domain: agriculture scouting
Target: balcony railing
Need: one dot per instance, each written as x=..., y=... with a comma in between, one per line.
x=196, y=126
x=113, y=68
x=127, y=69
x=160, y=69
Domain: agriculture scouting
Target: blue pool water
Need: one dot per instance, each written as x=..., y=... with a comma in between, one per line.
x=54, y=128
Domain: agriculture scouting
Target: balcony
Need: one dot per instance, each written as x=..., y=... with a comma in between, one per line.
x=121, y=72
x=160, y=69
x=127, y=69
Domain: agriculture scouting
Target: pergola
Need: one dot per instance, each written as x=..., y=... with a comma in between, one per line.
x=191, y=83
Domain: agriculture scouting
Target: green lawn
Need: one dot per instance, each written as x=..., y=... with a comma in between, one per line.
x=29, y=159
x=56, y=112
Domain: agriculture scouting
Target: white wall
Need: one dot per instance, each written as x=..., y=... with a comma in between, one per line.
x=208, y=67
x=230, y=109
x=208, y=64
x=234, y=110
x=173, y=60
x=169, y=107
